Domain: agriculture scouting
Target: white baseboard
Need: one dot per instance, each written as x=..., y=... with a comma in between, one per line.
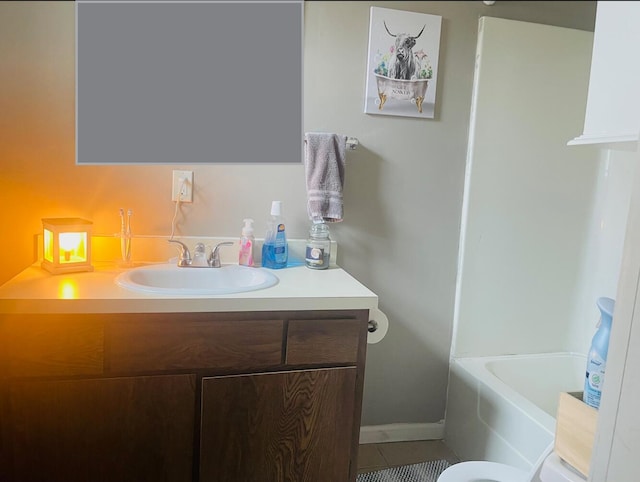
x=401, y=432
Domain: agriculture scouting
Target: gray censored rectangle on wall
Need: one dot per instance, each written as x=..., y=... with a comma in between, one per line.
x=189, y=82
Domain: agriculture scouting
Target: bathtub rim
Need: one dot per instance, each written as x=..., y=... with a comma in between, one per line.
x=476, y=366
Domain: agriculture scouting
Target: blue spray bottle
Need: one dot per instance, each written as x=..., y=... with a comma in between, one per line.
x=597, y=358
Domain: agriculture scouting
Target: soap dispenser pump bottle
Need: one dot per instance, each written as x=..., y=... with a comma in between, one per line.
x=275, y=251
x=597, y=358
x=247, y=240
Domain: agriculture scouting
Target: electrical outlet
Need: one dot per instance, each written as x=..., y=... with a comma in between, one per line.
x=182, y=191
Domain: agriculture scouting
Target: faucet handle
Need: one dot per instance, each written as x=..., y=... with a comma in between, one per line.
x=185, y=255
x=214, y=257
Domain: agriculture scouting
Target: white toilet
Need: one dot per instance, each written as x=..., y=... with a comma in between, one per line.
x=548, y=468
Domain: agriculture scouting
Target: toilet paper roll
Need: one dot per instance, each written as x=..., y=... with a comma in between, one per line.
x=378, y=326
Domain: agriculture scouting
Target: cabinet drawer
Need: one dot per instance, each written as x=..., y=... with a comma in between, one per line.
x=158, y=343
x=310, y=342
x=51, y=345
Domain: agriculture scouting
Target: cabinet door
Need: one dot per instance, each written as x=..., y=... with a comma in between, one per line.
x=118, y=429
x=292, y=426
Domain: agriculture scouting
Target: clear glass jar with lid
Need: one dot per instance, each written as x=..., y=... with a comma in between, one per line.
x=318, y=246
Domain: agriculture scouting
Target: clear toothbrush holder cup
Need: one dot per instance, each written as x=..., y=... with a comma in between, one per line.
x=125, y=249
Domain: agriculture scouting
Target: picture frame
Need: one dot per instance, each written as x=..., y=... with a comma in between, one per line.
x=402, y=64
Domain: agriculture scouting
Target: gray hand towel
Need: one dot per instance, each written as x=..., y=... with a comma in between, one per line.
x=324, y=163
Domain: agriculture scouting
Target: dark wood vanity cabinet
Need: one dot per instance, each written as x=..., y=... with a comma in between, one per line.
x=211, y=397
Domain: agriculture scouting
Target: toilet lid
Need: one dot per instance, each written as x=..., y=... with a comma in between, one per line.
x=481, y=472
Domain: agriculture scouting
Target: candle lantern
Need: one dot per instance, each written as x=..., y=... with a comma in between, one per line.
x=66, y=245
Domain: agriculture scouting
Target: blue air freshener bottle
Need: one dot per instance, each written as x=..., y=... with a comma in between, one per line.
x=597, y=358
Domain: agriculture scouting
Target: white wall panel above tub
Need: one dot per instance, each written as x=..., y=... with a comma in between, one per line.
x=528, y=197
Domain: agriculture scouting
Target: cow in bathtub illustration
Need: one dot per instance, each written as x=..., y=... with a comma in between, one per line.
x=403, y=73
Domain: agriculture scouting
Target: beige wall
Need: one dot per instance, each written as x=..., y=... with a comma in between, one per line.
x=403, y=188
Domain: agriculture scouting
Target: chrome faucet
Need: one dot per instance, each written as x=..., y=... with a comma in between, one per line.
x=199, y=256
x=186, y=261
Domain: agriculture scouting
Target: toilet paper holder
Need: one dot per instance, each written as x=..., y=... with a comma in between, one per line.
x=377, y=326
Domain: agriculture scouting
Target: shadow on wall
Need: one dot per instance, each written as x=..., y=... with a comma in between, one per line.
x=402, y=346
x=363, y=185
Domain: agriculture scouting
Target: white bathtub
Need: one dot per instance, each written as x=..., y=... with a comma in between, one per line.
x=503, y=408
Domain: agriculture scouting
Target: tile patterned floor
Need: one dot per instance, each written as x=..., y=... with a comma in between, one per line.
x=372, y=457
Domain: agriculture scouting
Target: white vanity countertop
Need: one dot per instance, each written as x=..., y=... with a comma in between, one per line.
x=34, y=290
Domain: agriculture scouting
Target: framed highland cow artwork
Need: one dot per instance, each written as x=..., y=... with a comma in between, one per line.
x=402, y=67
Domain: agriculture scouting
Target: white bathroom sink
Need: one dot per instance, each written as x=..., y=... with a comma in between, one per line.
x=169, y=279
